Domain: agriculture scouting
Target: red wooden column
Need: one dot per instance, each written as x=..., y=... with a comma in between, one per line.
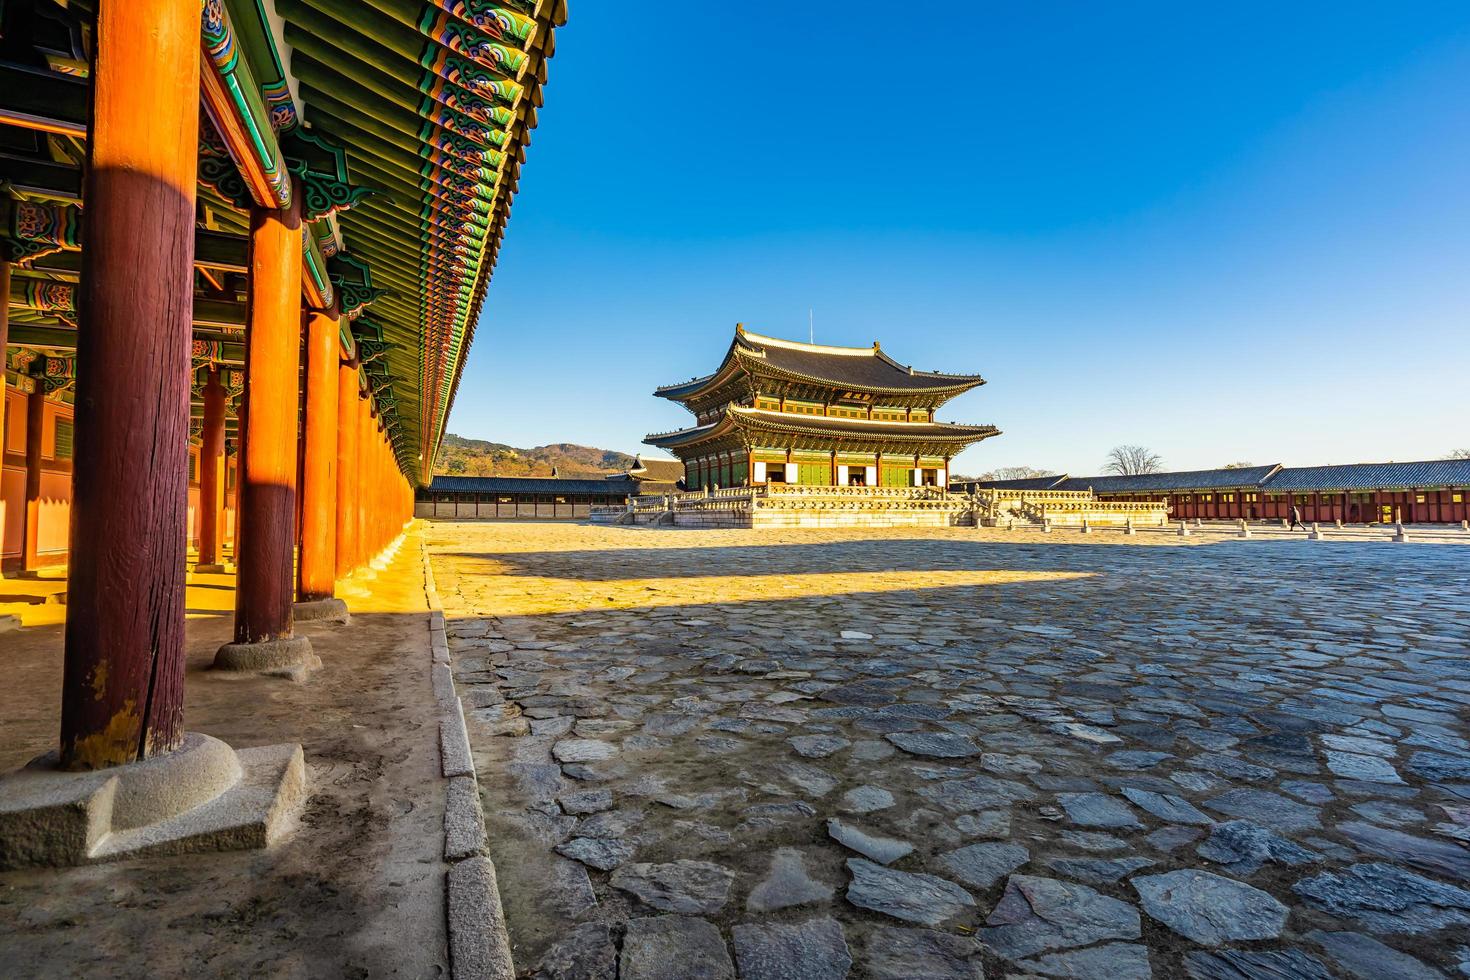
x=212, y=476
x=122, y=695
x=347, y=480
x=317, y=567
x=4, y=342
x=267, y=517
x=364, y=478
x=375, y=510
x=35, y=435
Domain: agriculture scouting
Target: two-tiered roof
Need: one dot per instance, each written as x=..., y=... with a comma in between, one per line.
x=772, y=401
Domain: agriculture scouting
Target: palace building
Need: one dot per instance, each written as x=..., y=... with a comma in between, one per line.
x=783, y=412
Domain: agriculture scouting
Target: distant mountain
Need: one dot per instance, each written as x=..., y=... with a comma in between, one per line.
x=459, y=456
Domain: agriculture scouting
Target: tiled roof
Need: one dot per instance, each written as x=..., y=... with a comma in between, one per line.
x=525, y=484
x=857, y=367
x=1273, y=478
x=865, y=369
x=1373, y=476
x=1223, y=479
x=656, y=470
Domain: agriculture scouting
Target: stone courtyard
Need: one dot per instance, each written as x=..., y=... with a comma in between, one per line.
x=962, y=753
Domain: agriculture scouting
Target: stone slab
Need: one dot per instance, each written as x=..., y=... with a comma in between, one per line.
x=674, y=947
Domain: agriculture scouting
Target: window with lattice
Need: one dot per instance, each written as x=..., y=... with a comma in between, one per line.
x=64, y=433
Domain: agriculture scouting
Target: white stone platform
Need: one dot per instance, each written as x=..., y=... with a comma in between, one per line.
x=791, y=505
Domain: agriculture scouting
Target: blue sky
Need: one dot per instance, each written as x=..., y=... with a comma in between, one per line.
x=1240, y=233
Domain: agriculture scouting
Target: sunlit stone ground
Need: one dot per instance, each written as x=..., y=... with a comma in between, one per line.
x=957, y=753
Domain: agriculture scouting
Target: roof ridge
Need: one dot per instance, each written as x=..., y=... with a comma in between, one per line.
x=1388, y=462
x=814, y=348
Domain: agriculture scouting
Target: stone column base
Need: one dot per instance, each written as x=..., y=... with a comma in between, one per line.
x=216, y=568
x=203, y=796
x=288, y=656
x=321, y=610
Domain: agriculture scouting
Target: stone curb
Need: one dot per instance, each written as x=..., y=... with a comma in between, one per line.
x=479, y=946
x=454, y=743
x=464, y=821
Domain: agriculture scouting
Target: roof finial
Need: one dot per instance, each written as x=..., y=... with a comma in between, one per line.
x=740, y=328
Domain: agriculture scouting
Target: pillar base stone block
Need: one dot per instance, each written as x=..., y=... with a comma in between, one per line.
x=288, y=656
x=8, y=623
x=203, y=796
x=216, y=568
x=328, y=610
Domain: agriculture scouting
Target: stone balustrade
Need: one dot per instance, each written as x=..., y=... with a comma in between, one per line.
x=1096, y=513
x=1035, y=495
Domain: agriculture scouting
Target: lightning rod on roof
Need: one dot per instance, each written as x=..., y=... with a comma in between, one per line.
x=811, y=327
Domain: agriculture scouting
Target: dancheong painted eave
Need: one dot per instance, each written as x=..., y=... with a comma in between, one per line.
x=434, y=103
x=750, y=425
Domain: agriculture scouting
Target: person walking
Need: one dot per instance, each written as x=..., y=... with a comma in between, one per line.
x=1296, y=519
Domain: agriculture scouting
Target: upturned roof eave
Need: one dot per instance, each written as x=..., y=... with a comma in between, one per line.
x=681, y=436
x=684, y=391
x=679, y=392
x=837, y=429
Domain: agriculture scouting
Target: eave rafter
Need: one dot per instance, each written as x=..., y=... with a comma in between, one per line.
x=433, y=102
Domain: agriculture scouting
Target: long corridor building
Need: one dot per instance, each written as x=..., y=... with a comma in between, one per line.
x=1429, y=492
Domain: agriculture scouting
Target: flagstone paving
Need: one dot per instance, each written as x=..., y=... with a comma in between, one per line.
x=967, y=753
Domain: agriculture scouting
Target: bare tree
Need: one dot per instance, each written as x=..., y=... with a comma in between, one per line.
x=1016, y=473
x=1133, y=461
x=1460, y=454
x=1239, y=465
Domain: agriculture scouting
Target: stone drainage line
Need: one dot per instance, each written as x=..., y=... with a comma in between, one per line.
x=479, y=946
